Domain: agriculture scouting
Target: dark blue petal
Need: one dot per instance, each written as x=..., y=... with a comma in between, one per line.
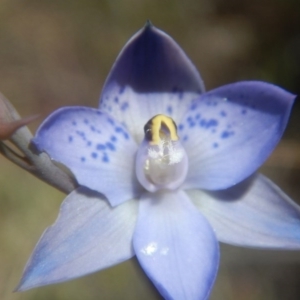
x=151, y=62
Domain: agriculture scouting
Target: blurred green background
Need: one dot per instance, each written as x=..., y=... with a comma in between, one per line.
x=58, y=52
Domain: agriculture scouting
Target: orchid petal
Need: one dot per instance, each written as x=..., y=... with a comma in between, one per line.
x=254, y=213
x=176, y=246
x=151, y=75
x=151, y=62
x=229, y=132
x=135, y=110
x=96, y=148
x=88, y=236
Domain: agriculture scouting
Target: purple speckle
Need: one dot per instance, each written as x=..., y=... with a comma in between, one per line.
x=180, y=127
x=223, y=113
x=82, y=159
x=110, y=121
x=89, y=143
x=74, y=123
x=212, y=123
x=110, y=146
x=215, y=145
x=116, y=100
x=122, y=131
x=70, y=139
x=169, y=110
x=208, y=123
x=244, y=111
x=121, y=90
x=94, y=155
x=124, y=106
x=81, y=134
x=192, y=124
x=193, y=106
x=226, y=134
x=86, y=121
x=198, y=116
x=126, y=135
x=100, y=147
x=113, y=138
x=202, y=123
x=105, y=159
x=185, y=138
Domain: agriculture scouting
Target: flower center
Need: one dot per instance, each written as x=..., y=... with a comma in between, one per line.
x=161, y=161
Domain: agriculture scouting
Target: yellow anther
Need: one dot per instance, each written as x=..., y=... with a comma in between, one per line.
x=154, y=129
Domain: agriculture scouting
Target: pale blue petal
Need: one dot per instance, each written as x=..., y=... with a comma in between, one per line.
x=152, y=75
x=254, y=213
x=88, y=236
x=97, y=149
x=176, y=246
x=229, y=132
x=135, y=110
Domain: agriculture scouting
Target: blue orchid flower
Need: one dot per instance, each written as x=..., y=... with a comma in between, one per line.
x=166, y=171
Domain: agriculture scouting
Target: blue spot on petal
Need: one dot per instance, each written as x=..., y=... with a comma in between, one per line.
x=169, y=110
x=110, y=121
x=180, y=127
x=113, y=138
x=110, y=146
x=223, y=113
x=121, y=90
x=74, y=123
x=100, y=147
x=226, y=134
x=81, y=134
x=193, y=106
x=244, y=111
x=215, y=145
x=212, y=123
x=70, y=139
x=82, y=159
x=124, y=106
x=116, y=100
x=105, y=159
x=126, y=135
x=86, y=121
x=94, y=155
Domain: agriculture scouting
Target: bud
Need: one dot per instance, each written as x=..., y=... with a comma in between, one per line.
x=10, y=120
